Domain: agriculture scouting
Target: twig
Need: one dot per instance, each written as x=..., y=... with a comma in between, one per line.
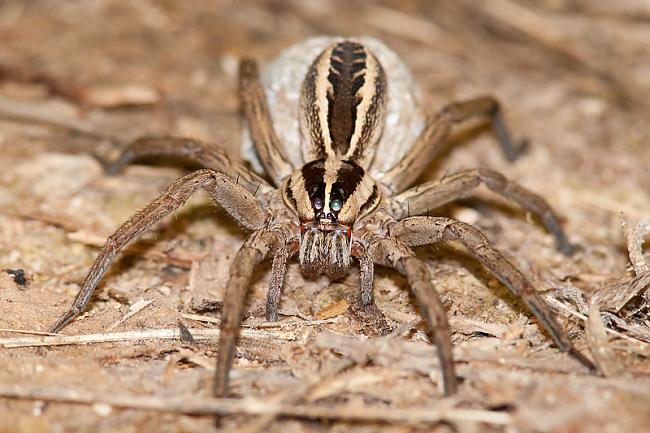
x=41, y=113
x=559, y=305
x=635, y=246
x=194, y=405
x=54, y=86
x=599, y=346
x=152, y=334
x=134, y=309
x=307, y=386
x=293, y=396
x=25, y=331
x=262, y=325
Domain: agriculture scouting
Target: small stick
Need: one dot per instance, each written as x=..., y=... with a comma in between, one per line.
x=152, y=334
x=599, y=345
x=293, y=396
x=26, y=331
x=55, y=86
x=195, y=405
x=635, y=246
x=306, y=387
x=560, y=306
x=37, y=113
x=262, y=325
x=134, y=309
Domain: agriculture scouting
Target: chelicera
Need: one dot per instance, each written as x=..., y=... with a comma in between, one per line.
x=335, y=189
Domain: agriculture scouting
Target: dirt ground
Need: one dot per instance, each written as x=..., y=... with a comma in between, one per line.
x=80, y=79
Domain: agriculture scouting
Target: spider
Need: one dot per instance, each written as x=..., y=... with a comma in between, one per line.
x=336, y=188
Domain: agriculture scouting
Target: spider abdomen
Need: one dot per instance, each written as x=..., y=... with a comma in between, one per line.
x=283, y=81
x=343, y=102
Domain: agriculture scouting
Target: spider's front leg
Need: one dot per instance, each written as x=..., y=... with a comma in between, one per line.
x=391, y=252
x=278, y=270
x=432, y=195
x=430, y=230
x=256, y=248
x=238, y=202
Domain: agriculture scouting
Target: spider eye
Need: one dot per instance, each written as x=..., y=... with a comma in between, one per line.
x=336, y=204
x=318, y=203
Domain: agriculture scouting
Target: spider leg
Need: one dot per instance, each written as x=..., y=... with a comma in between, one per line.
x=393, y=253
x=429, y=230
x=432, y=139
x=278, y=270
x=256, y=110
x=206, y=155
x=366, y=274
x=256, y=248
x=238, y=202
x=430, y=195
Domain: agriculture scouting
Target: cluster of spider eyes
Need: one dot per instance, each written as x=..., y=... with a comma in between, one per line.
x=336, y=198
x=335, y=204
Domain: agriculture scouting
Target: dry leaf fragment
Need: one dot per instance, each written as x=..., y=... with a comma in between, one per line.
x=599, y=345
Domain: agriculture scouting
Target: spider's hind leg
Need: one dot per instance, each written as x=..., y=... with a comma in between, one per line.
x=256, y=111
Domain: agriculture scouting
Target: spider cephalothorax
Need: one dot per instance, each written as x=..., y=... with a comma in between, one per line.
x=329, y=195
x=350, y=141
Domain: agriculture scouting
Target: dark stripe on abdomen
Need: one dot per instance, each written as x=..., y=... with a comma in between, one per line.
x=346, y=76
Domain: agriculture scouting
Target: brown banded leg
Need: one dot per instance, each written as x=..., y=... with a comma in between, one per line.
x=366, y=275
x=255, y=249
x=204, y=154
x=432, y=139
x=256, y=110
x=278, y=271
x=432, y=195
x=430, y=230
x=238, y=202
x=392, y=253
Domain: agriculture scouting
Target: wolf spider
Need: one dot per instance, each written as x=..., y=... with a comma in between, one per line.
x=331, y=210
